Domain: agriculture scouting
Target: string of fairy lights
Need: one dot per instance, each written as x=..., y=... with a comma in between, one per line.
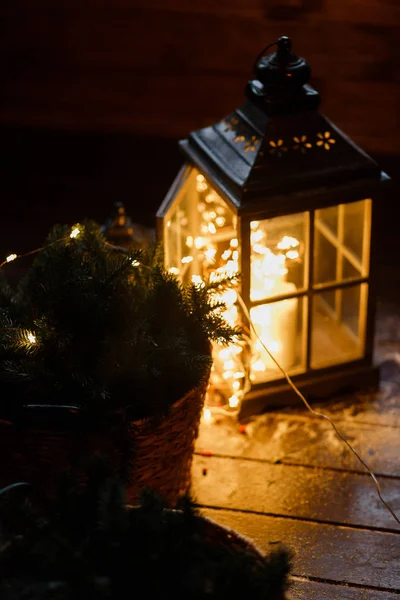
x=31, y=339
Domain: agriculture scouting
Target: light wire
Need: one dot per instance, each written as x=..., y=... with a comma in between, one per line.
x=319, y=414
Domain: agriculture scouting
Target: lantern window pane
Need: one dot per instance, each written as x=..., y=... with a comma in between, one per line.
x=341, y=242
x=280, y=327
x=201, y=241
x=200, y=232
x=338, y=325
x=278, y=256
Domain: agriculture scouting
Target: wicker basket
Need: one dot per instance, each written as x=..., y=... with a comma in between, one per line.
x=43, y=442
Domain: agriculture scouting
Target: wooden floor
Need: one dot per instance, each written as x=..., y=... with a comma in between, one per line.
x=287, y=479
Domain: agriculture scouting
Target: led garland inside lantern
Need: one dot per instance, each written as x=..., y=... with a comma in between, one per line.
x=214, y=253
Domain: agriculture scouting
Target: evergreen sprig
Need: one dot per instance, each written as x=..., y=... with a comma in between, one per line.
x=86, y=543
x=112, y=330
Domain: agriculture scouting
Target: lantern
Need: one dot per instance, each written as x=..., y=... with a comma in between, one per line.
x=278, y=193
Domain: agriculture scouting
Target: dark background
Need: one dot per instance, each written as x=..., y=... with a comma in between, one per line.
x=95, y=94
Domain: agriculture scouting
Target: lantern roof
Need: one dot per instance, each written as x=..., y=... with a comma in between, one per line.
x=277, y=142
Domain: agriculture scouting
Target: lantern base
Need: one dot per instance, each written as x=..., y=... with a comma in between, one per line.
x=322, y=387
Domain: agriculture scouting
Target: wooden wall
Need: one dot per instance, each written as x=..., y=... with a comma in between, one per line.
x=167, y=66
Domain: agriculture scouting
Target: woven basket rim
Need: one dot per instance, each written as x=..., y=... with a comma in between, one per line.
x=74, y=409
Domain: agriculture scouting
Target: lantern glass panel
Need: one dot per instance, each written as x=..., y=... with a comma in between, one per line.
x=201, y=242
x=341, y=242
x=279, y=325
x=338, y=323
x=200, y=233
x=278, y=256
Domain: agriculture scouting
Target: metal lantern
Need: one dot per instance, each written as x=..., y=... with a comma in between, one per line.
x=278, y=193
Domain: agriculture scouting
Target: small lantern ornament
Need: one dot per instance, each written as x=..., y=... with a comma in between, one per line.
x=121, y=231
x=278, y=193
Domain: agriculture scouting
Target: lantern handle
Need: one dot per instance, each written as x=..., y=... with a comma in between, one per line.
x=263, y=52
x=284, y=47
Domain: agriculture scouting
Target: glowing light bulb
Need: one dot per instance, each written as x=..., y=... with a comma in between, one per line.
x=224, y=354
x=229, y=365
x=200, y=242
x=31, y=337
x=258, y=366
x=292, y=254
x=207, y=415
x=257, y=236
x=187, y=259
x=75, y=232
x=189, y=241
x=11, y=257
x=174, y=270
x=225, y=255
x=234, y=243
x=197, y=280
x=201, y=184
x=254, y=225
x=210, y=253
x=212, y=228
x=233, y=401
x=288, y=242
x=220, y=221
x=135, y=263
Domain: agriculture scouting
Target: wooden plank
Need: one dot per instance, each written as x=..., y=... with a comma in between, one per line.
x=305, y=441
x=373, y=408
x=336, y=554
x=313, y=494
x=312, y=590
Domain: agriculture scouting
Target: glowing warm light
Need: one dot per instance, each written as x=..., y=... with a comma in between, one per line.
x=135, y=263
x=201, y=184
x=200, y=242
x=197, y=280
x=210, y=253
x=233, y=401
x=288, y=242
x=75, y=232
x=229, y=365
x=206, y=236
x=11, y=257
x=173, y=271
x=207, y=416
x=257, y=236
x=276, y=322
x=227, y=374
x=31, y=337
